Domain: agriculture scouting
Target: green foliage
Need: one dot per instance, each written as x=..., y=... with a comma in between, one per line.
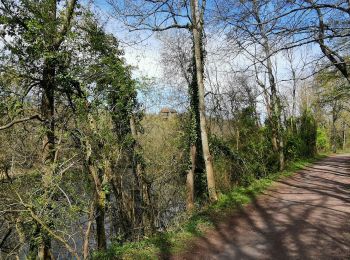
x=247, y=155
x=241, y=158
x=293, y=146
x=176, y=240
x=301, y=137
x=308, y=133
x=93, y=108
x=229, y=166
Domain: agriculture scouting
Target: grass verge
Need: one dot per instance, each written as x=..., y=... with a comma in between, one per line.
x=175, y=241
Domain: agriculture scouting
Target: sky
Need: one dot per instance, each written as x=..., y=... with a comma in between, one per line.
x=143, y=50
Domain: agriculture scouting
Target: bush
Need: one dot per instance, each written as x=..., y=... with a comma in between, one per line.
x=300, y=138
x=322, y=140
x=308, y=133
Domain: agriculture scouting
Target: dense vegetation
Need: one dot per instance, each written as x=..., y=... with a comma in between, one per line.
x=87, y=171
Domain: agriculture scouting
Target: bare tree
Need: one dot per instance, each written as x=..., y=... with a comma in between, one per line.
x=165, y=15
x=251, y=29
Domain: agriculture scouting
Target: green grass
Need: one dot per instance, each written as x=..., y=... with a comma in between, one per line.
x=178, y=240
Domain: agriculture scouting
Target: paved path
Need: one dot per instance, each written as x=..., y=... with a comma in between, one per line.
x=306, y=216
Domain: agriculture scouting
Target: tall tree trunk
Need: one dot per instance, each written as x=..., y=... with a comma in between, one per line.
x=151, y=211
x=269, y=115
x=194, y=134
x=48, y=116
x=276, y=110
x=100, y=210
x=344, y=135
x=281, y=149
x=334, y=129
x=86, y=241
x=294, y=92
x=294, y=78
x=137, y=172
x=54, y=37
x=48, y=112
x=48, y=142
x=197, y=31
x=123, y=220
x=237, y=138
x=190, y=178
x=275, y=117
x=100, y=195
x=100, y=225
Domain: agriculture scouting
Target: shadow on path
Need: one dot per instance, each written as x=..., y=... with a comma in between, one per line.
x=306, y=216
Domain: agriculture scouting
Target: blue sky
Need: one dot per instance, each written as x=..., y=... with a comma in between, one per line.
x=145, y=55
x=142, y=50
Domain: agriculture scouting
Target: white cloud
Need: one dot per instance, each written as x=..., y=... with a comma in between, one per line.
x=142, y=49
x=146, y=58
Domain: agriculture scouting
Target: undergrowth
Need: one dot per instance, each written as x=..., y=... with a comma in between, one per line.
x=164, y=244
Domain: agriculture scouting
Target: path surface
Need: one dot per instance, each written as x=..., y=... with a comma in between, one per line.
x=306, y=216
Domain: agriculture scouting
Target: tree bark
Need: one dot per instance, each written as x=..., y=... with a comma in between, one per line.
x=151, y=212
x=334, y=129
x=123, y=220
x=48, y=112
x=275, y=116
x=197, y=31
x=100, y=226
x=137, y=172
x=88, y=231
x=344, y=136
x=44, y=250
x=237, y=138
x=48, y=117
x=277, y=138
x=335, y=58
x=100, y=195
x=99, y=209
x=190, y=178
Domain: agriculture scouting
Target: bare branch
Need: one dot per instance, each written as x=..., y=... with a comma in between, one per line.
x=17, y=121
